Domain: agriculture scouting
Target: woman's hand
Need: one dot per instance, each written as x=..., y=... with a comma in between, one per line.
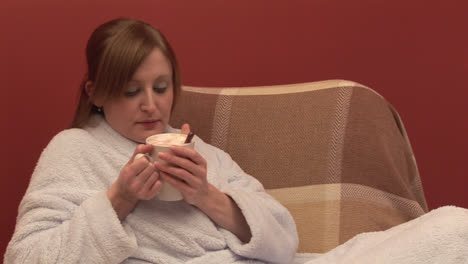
x=138, y=180
x=185, y=170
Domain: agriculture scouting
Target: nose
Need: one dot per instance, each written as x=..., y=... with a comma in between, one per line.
x=149, y=101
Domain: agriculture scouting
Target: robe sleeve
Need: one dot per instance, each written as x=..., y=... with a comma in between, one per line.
x=60, y=220
x=274, y=236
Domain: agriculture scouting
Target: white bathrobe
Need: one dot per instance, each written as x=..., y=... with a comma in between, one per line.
x=65, y=216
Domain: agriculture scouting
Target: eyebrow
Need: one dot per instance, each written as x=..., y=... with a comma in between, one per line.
x=164, y=77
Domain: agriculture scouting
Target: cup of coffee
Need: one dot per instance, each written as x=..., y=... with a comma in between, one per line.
x=162, y=143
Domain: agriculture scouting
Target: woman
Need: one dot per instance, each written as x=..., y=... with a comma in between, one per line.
x=90, y=201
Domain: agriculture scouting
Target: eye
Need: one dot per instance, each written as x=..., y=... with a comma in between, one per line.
x=160, y=87
x=132, y=91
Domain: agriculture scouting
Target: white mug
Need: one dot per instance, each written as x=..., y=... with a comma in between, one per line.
x=167, y=191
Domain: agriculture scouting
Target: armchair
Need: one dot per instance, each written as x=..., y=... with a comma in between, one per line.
x=335, y=153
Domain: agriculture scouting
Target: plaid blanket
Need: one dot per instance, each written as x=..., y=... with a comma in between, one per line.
x=335, y=153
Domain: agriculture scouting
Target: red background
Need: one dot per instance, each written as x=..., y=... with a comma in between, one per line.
x=414, y=53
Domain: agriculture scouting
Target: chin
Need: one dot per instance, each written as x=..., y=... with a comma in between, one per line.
x=140, y=141
x=141, y=137
x=137, y=140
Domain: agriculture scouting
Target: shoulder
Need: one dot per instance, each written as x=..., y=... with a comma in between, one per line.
x=217, y=157
x=70, y=135
x=70, y=138
x=206, y=149
x=61, y=158
x=68, y=143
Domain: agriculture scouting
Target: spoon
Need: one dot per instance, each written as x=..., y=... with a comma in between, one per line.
x=189, y=137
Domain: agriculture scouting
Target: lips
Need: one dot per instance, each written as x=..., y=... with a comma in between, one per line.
x=148, y=123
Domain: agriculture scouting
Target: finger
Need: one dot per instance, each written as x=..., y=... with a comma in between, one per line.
x=147, y=172
x=139, y=165
x=136, y=166
x=155, y=188
x=176, y=183
x=185, y=129
x=182, y=162
x=180, y=174
x=189, y=153
x=141, y=148
x=148, y=185
x=139, y=180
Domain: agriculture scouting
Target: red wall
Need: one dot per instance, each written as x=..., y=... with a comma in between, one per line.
x=412, y=52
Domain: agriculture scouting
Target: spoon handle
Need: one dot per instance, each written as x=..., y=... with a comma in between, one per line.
x=189, y=137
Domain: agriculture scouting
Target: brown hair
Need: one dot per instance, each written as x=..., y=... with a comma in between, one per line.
x=113, y=53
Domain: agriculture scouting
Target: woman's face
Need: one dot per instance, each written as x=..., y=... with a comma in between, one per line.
x=145, y=108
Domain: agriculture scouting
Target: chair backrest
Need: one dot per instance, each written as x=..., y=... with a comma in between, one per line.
x=335, y=153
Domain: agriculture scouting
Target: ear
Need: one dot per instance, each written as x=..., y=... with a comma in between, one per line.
x=90, y=89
